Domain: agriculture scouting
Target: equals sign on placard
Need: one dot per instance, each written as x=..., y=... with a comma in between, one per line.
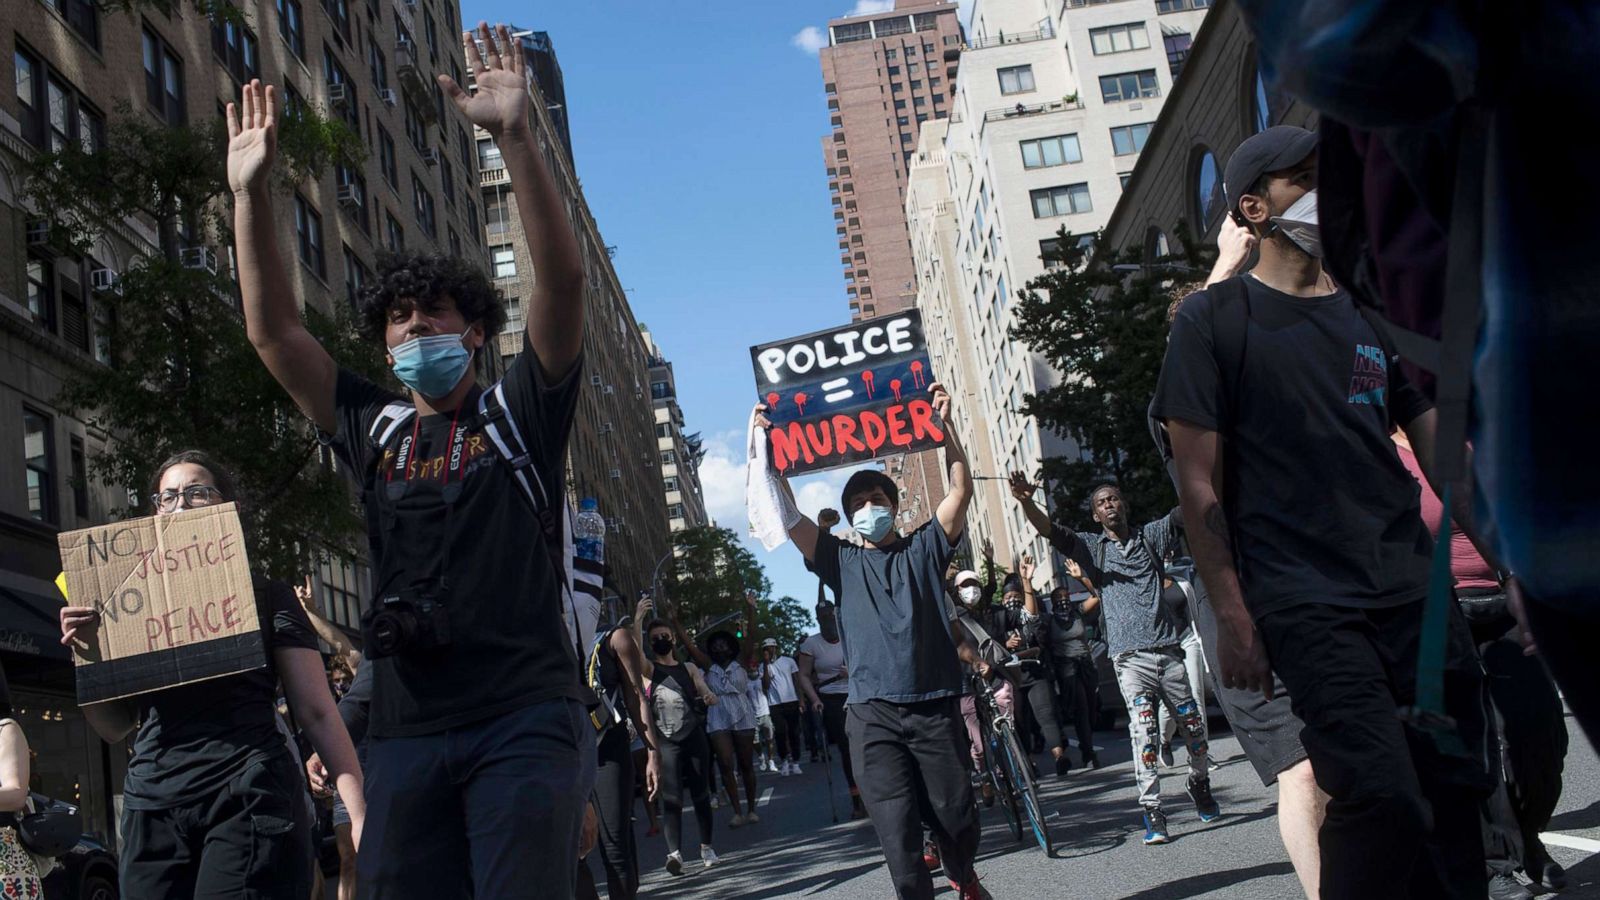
x=837, y=389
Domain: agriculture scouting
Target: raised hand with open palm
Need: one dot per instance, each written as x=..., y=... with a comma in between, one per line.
x=252, y=137
x=499, y=105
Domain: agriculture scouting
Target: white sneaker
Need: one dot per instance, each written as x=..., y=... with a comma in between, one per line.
x=787, y=770
x=794, y=768
x=716, y=802
x=772, y=767
x=675, y=863
x=751, y=818
x=738, y=819
x=708, y=855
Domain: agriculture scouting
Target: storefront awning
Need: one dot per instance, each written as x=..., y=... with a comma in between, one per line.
x=30, y=624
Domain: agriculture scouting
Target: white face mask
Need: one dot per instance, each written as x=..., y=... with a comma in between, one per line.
x=969, y=594
x=1299, y=224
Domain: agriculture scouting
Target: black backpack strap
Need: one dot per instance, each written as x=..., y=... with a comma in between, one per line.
x=388, y=421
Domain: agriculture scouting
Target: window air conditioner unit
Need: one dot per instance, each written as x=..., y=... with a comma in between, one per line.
x=348, y=196
x=338, y=94
x=610, y=390
x=431, y=156
x=595, y=380
x=616, y=473
x=105, y=281
x=387, y=95
x=199, y=258
x=605, y=427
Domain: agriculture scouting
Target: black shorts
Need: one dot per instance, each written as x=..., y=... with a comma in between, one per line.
x=1268, y=730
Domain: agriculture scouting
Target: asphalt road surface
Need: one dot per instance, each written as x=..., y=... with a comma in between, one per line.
x=797, y=851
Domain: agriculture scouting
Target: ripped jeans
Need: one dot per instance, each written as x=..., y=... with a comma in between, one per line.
x=1149, y=678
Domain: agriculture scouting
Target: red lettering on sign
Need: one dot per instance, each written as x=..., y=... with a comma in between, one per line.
x=873, y=429
x=230, y=611
x=788, y=445
x=820, y=436
x=844, y=434
x=197, y=632
x=897, y=426
x=152, y=630
x=212, y=626
x=922, y=424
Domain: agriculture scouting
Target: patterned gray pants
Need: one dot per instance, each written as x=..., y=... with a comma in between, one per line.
x=1147, y=678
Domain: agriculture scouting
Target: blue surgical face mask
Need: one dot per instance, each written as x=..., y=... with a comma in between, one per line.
x=872, y=522
x=433, y=365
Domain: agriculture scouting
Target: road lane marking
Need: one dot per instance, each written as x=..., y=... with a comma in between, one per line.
x=1587, y=845
x=765, y=796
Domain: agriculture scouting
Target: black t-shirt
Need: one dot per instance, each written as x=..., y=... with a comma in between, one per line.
x=1069, y=635
x=893, y=615
x=483, y=555
x=1320, y=507
x=195, y=738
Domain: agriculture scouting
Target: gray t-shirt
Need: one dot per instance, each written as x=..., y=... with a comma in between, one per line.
x=1129, y=579
x=893, y=616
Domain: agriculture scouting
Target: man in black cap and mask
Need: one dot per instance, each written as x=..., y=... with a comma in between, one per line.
x=1279, y=397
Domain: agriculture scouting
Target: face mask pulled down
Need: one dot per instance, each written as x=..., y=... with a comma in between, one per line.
x=432, y=365
x=1299, y=224
x=872, y=522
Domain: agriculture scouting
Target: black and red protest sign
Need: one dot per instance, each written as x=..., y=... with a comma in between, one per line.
x=848, y=394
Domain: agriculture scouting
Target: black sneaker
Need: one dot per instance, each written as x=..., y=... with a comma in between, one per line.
x=1549, y=876
x=1092, y=761
x=1505, y=886
x=1063, y=766
x=1155, y=827
x=1204, y=803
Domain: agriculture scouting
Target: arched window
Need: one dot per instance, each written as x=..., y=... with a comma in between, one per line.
x=1261, y=106
x=1156, y=245
x=1207, y=181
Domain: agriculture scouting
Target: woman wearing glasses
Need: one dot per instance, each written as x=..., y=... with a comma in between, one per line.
x=212, y=801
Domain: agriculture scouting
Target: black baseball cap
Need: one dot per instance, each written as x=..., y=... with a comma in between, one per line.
x=1279, y=147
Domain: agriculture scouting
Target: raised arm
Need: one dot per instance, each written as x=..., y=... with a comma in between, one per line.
x=1234, y=246
x=1242, y=657
x=751, y=638
x=1030, y=600
x=952, y=510
x=695, y=653
x=325, y=629
x=804, y=531
x=1022, y=491
x=271, y=318
x=642, y=612
x=500, y=106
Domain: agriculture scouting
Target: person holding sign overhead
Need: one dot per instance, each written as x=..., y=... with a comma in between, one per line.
x=902, y=713
x=212, y=804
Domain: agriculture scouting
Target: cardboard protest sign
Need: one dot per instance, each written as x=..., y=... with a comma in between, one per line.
x=848, y=394
x=175, y=600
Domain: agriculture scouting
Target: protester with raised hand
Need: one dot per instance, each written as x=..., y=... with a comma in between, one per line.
x=477, y=716
x=1072, y=661
x=213, y=803
x=1143, y=635
x=902, y=713
x=731, y=723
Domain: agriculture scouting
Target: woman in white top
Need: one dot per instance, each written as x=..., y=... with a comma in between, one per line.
x=731, y=723
x=777, y=675
x=18, y=875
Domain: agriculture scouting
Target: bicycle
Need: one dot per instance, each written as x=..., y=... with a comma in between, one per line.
x=1011, y=769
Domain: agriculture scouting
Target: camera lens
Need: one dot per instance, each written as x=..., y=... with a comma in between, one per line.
x=392, y=630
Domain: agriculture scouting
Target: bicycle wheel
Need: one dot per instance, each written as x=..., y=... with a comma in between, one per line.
x=1003, y=769
x=1028, y=790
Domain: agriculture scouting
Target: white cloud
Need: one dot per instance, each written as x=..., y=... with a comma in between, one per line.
x=722, y=474
x=810, y=39
x=868, y=7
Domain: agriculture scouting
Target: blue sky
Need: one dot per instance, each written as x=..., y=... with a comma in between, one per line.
x=696, y=130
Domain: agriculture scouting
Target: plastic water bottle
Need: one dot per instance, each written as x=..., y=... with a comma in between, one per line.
x=589, y=532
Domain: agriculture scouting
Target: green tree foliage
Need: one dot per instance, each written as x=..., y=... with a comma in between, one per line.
x=785, y=620
x=1107, y=330
x=709, y=578
x=183, y=375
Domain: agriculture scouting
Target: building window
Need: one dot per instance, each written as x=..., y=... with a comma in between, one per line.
x=356, y=275
x=291, y=24
x=235, y=47
x=335, y=74
x=1060, y=201
x=1124, y=178
x=38, y=451
x=386, y=160
x=1129, y=86
x=42, y=293
x=1207, y=189
x=308, y=230
x=1051, y=151
x=447, y=181
x=660, y=390
x=80, y=480
x=1177, y=46
x=83, y=16
x=1049, y=251
x=1171, y=6
x=455, y=241
x=416, y=129
x=353, y=196
x=1119, y=38
x=497, y=214
x=489, y=156
x=339, y=12
x=378, y=63
x=431, y=32
x=504, y=259
x=163, y=78
x=1129, y=139
x=669, y=457
x=394, y=237
x=1016, y=79
x=671, y=481
x=675, y=511
x=422, y=205
x=919, y=101
x=53, y=113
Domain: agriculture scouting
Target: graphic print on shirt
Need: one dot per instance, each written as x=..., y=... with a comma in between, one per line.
x=433, y=469
x=1369, y=376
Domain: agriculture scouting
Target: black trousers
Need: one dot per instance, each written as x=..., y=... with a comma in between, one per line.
x=685, y=764
x=1530, y=748
x=1566, y=644
x=613, y=806
x=786, y=730
x=1042, y=702
x=914, y=770
x=1402, y=821
x=1076, y=683
x=250, y=838
x=833, y=725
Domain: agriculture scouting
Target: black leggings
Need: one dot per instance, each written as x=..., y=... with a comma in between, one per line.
x=613, y=803
x=1076, y=681
x=786, y=730
x=1042, y=701
x=685, y=759
x=833, y=726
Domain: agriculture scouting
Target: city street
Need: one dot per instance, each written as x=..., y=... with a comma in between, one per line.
x=796, y=852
